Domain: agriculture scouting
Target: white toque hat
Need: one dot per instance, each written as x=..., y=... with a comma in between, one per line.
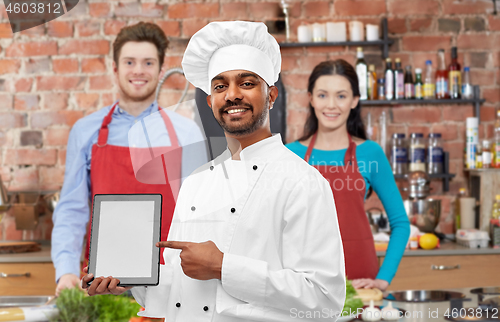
x=231, y=45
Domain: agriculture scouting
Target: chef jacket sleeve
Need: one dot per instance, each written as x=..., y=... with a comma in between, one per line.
x=312, y=277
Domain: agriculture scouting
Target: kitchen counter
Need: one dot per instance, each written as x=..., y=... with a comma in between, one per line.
x=420, y=311
x=30, y=257
x=440, y=307
x=448, y=248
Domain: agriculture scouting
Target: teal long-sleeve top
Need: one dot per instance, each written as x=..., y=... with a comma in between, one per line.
x=376, y=170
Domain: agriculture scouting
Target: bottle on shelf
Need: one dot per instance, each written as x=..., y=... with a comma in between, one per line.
x=409, y=87
x=441, y=77
x=419, y=86
x=472, y=140
x=389, y=80
x=372, y=83
x=383, y=132
x=467, y=89
x=486, y=154
x=429, y=86
x=497, y=140
x=454, y=75
x=399, y=79
x=381, y=88
x=435, y=154
x=479, y=156
x=462, y=193
x=362, y=71
x=495, y=210
x=369, y=126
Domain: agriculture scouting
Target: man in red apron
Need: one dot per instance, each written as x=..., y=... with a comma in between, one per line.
x=359, y=251
x=99, y=160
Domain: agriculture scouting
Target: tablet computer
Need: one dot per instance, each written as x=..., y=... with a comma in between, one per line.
x=125, y=229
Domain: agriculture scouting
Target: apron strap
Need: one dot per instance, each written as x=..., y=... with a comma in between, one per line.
x=350, y=154
x=103, y=132
x=170, y=127
x=310, y=147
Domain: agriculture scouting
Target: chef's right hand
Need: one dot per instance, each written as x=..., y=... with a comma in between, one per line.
x=67, y=281
x=102, y=285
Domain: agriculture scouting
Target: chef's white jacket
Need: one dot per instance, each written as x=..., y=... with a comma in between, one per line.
x=274, y=218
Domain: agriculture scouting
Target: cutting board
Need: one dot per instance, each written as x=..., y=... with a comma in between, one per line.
x=19, y=247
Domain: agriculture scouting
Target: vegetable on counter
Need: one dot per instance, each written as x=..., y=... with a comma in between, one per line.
x=75, y=306
x=351, y=304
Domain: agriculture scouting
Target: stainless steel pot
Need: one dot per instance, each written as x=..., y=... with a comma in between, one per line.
x=423, y=213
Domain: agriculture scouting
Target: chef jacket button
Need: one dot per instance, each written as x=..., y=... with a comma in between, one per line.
x=233, y=210
x=211, y=167
x=255, y=167
x=205, y=308
x=178, y=304
x=193, y=208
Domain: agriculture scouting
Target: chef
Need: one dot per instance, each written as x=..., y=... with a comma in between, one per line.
x=98, y=160
x=254, y=235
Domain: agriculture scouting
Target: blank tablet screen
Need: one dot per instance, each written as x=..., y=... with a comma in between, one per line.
x=125, y=229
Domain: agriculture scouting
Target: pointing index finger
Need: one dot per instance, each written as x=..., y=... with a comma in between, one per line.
x=173, y=244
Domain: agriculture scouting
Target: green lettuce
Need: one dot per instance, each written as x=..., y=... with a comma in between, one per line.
x=351, y=304
x=75, y=306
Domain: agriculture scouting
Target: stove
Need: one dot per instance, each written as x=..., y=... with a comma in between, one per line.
x=488, y=309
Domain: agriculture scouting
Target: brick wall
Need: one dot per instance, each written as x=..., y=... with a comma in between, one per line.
x=52, y=75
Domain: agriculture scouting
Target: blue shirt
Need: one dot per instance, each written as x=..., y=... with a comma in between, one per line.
x=377, y=173
x=72, y=212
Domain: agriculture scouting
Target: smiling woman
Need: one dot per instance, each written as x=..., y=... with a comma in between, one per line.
x=335, y=143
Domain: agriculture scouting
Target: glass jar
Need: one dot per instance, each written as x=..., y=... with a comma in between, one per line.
x=435, y=155
x=417, y=152
x=399, y=154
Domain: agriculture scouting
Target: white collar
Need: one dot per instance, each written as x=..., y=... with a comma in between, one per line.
x=262, y=150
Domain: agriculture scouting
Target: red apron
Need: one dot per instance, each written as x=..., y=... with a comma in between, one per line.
x=112, y=172
x=348, y=187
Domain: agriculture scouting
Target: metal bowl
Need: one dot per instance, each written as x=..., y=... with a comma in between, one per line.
x=424, y=213
x=423, y=296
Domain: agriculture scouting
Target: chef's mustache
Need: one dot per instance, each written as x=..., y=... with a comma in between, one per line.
x=231, y=104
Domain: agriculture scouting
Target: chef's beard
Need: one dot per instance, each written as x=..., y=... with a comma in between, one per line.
x=255, y=122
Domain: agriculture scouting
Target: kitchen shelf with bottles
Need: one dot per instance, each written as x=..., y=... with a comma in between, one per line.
x=476, y=101
x=384, y=43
